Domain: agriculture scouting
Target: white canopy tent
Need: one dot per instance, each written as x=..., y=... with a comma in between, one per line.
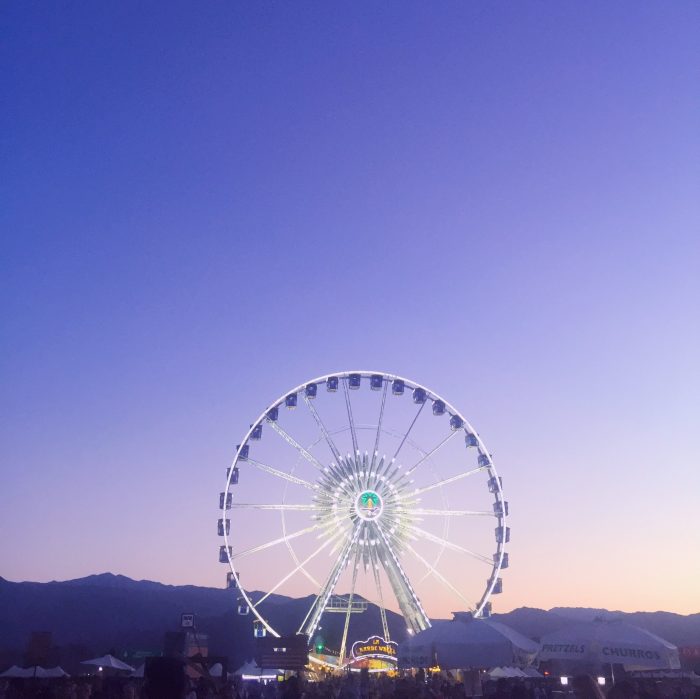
x=35, y=671
x=249, y=667
x=16, y=671
x=508, y=672
x=668, y=674
x=250, y=670
x=55, y=672
x=466, y=642
x=108, y=661
x=604, y=642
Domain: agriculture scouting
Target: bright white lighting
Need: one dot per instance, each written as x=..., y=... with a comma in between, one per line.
x=601, y=681
x=564, y=680
x=99, y=669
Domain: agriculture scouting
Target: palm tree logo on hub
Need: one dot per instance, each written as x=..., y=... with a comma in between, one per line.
x=368, y=505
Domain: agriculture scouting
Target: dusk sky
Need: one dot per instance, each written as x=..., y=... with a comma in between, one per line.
x=203, y=205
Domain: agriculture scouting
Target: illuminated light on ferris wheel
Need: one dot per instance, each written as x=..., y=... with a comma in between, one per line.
x=363, y=487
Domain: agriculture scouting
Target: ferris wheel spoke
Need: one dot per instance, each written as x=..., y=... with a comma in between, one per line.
x=446, y=481
x=439, y=576
x=324, y=431
x=427, y=455
x=348, y=407
x=335, y=479
x=383, y=467
x=282, y=506
x=379, y=422
x=405, y=437
x=313, y=616
x=452, y=513
x=331, y=523
x=299, y=567
x=274, y=542
x=282, y=474
x=446, y=522
x=293, y=553
x=293, y=442
x=448, y=544
x=349, y=467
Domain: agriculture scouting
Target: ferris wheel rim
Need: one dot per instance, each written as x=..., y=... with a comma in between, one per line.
x=410, y=383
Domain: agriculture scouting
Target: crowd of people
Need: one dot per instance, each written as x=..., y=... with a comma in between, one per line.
x=169, y=681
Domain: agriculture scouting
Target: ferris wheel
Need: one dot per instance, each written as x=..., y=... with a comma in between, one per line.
x=362, y=487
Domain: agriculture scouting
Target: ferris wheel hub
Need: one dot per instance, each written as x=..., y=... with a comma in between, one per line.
x=369, y=505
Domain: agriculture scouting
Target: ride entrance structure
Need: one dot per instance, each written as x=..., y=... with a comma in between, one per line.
x=369, y=499
x=374, y=654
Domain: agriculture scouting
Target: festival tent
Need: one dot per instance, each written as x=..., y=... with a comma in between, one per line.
x=53, y=672
x=603, y=642
x=249, y=667
x=108, y=661
x=250, y=670
x=16, y=671
x=466, y=642
x=668, y=675
x=35, y=671
x=139, y=671
x=508, y=672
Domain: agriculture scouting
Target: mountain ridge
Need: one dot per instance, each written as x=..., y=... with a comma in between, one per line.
x=106, y=610
x=109, y=579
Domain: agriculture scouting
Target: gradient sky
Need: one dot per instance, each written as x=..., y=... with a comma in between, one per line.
x=203, y=205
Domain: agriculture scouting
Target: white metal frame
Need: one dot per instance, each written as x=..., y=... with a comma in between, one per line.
x=366, y=541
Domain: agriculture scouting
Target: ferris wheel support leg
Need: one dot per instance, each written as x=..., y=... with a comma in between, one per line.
x=313, y=617
x=356, y=565
x=378, y=584
x=411, y=608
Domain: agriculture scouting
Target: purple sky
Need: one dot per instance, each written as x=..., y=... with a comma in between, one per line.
x=203, y=205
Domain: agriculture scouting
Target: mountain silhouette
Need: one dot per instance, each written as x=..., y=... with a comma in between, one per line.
x=106, y=611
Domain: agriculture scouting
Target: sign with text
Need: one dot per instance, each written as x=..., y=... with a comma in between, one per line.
x=375, y=647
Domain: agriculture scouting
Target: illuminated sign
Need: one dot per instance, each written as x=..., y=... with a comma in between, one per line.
x=368, y=505
x=375, y=647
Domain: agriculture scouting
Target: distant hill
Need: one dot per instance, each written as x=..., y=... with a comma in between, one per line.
x=681, y=630
x=101, y=608
x=102, y=612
